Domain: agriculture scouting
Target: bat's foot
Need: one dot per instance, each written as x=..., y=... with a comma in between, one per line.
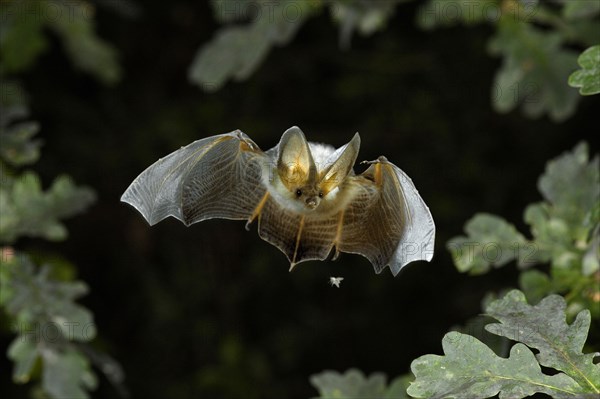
x=336, y=255
x=381, y=159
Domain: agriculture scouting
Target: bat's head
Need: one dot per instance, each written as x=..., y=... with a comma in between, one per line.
x=309, y=195
x=305, y=184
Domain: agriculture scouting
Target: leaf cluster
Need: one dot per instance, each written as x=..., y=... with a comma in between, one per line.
x=48, y=324
x=39, y=303
x=251, y=28
x=25, y=209
x=588, y=77
x=565, y=230
x=534, y=40
x=353, y=384
x=469, y=368
x=40, y=308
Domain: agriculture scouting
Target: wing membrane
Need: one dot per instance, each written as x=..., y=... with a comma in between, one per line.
x=299, y=237
x=216, y=177
x=388, y=222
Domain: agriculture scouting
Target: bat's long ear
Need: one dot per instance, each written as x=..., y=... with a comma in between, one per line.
x=295, y=163
x=340, y=164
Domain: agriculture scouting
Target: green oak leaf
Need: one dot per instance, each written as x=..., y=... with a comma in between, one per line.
x=351, y=385
x=470, y=369
x=544, y=328
x=587, y=79
x=354, y=385
x=490, y=241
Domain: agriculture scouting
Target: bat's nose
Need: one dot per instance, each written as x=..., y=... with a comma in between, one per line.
x=311, y=203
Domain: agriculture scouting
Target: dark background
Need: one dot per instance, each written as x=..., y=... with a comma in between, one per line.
x=211, y=310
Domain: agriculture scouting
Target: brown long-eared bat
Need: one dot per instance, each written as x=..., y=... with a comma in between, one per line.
x=305, y=197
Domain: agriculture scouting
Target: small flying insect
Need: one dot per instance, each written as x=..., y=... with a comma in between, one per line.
x=335, y=281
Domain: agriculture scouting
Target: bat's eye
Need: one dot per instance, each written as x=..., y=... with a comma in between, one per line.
x=298, y=193
x=320, y=194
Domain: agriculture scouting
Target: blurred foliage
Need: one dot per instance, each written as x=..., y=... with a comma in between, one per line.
x=38, y=303
x=366, y=17
x=565, y=233
x=23, y=36
x=237, y=51
x=18, y=144
x=535, y=40
x=354, y=385
x=48, y=324
x=532, y=59
x=470, y=369
x=587, y=78
x=25, y=209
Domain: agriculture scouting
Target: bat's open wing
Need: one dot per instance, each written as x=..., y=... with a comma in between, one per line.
x=216, y=177
x=388, y=222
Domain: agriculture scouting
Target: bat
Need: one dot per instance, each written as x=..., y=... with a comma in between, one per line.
x=304, y=196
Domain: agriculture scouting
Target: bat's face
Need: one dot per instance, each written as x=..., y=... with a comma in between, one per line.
x=306, y=187
x=308, y=195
